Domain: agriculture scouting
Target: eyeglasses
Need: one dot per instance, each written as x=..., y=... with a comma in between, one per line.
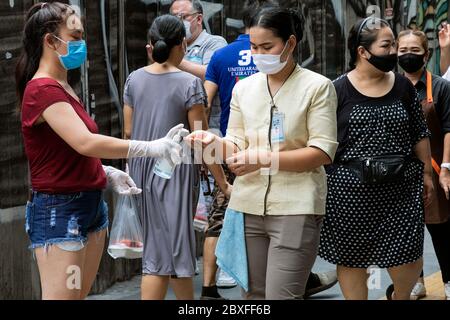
x=183, y=16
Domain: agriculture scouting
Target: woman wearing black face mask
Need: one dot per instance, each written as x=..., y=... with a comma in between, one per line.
x=434, y=94
x=375, y=201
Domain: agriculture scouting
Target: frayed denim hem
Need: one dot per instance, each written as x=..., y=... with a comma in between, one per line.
x=51, y=242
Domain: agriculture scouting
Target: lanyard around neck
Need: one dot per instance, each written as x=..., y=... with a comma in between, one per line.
x=284, y=82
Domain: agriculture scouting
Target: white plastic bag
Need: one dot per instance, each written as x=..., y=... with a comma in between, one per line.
x=204, y=203
x=126, y=240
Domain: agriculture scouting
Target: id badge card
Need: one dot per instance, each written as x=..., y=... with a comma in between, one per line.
x=278, y=127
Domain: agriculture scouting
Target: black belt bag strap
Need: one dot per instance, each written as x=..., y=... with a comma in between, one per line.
x=379, y=169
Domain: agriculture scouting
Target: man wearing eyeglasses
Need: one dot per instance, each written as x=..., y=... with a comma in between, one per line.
x=201, y=47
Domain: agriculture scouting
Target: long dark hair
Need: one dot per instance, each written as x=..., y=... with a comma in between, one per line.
x=41, y=19
x=364, y=33
x=165, y=33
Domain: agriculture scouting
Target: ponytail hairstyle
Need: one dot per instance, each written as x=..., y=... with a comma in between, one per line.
x=41, y=19
x=364, y=33
x=165, y=33
x=282, y=22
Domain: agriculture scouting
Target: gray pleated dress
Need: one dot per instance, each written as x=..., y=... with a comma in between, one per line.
x=167, y=207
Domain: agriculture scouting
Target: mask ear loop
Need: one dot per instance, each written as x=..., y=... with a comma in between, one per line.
x=65, y=42
x=53, y=46
x=59, y=39
x=284, y=51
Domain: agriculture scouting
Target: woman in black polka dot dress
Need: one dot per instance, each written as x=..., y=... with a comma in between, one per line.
x=376, y=224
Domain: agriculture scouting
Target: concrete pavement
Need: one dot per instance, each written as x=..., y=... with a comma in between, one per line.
x=130, y=290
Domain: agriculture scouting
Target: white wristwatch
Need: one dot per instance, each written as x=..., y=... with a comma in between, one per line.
x=445, y=166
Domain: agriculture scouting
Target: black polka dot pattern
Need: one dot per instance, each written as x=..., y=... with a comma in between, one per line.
x=376, y=225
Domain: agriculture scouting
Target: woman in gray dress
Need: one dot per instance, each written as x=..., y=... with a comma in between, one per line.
x=157, y=97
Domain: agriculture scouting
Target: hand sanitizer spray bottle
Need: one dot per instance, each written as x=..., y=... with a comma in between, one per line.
x=164, y=168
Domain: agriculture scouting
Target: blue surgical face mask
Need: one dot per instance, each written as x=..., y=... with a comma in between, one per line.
x=76, y=54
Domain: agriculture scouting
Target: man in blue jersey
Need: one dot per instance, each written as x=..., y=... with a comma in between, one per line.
x=227, y=66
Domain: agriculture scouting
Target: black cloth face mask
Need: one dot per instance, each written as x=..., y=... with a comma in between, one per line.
x=383, y=63
x=411, y=62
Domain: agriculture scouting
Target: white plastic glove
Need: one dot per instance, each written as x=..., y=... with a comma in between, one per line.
x=121, y=182
x=166, y=147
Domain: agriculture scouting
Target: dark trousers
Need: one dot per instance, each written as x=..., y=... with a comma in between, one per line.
x=440, y=235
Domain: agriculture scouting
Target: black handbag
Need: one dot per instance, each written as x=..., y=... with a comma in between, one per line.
x=379, y=169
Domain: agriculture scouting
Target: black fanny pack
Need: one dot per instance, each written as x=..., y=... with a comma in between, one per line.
x=379, y=169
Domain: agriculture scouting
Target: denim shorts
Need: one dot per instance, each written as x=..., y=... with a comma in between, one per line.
x=65, y=220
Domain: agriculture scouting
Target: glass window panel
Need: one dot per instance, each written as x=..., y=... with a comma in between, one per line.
x=13, y=164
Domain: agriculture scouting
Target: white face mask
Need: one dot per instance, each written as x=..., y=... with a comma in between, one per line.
x=187, y=26
x=269, y=63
